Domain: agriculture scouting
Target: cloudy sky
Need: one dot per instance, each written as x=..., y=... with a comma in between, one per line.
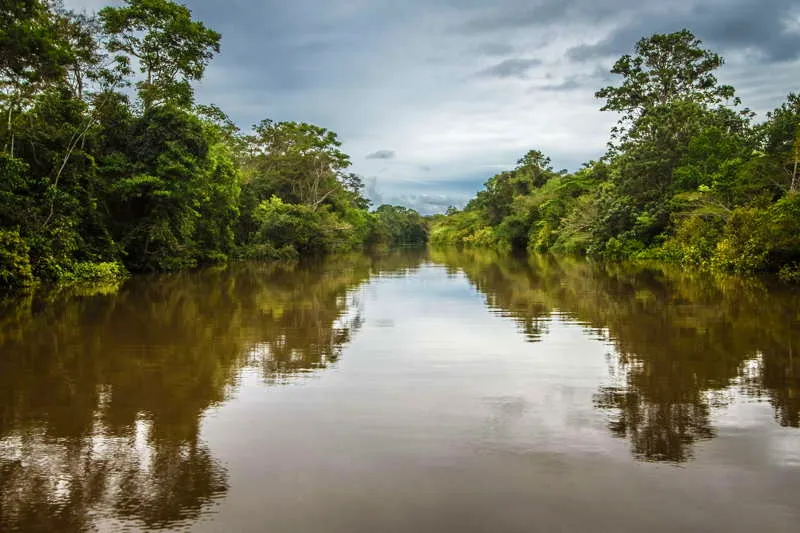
x=432, y=97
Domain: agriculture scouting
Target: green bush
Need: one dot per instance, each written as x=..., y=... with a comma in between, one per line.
x=267, y=252
x=746, y=243
x=783, y=220
x=694, y=242
x=395, y=225
x=15, y=266
x=463, y=228
x=95, y=272
x=622, y=248
x=484, y=237
x=790, y=273
x=542, y=236
x=302, y=228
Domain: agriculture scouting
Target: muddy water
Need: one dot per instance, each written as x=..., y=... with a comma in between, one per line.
x=410, y=392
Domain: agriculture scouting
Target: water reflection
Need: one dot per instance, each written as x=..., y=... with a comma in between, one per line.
x=682, y=344
x=102, y=394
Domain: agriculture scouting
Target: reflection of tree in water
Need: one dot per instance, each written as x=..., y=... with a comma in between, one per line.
x=680, y=340
x=500, y=278
x=304, y=319
x=101, y=396
x=782, y=378
x=58, y=484
x=777, y=377
x=657, y=431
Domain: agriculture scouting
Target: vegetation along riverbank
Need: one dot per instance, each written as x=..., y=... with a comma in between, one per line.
x=109, y=166
x=689, y=177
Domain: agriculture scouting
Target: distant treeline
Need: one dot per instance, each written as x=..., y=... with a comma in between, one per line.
x=108, y=165
x=688, y=176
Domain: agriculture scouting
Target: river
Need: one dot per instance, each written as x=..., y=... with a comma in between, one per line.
x=412, y=392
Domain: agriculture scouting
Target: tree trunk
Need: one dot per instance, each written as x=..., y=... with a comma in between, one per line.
x=10, y=133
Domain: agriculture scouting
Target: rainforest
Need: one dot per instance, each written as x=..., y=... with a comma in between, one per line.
x=690, y=177
x=109, y=166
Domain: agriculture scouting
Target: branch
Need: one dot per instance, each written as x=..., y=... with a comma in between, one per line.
x=73, y=143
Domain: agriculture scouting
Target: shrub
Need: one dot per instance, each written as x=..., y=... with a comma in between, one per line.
x=15, y=266
x=300, y=227
x=790, y=273
x=95, y=273
x=746, y=242
x=695, y=240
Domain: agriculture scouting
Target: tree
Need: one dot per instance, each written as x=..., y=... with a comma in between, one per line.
x=31, y=54
x=155, y=206
x=665, y=68
x=537, y=166
x=668, y=94
x=88, y=61
x=533, y=170
x=353, y=187
x=29, y=49
x=298, y=162
x=781, y=138
x=170, y=48
x=401, y=225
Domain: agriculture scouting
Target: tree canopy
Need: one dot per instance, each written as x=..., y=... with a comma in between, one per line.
x=168, y=46
x=665, y=69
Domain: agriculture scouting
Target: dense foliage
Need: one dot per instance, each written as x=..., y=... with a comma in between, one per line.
x=688, y=177
x=108, y=165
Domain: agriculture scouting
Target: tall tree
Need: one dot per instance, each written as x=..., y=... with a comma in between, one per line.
x=299, y=162
x=170, y=48
x=89, y=65
x=31, y=55
x=668, y=94
x=781, y=138
x=29, y=49
x=664, y=69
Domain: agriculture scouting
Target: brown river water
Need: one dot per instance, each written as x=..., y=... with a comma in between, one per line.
x=412, y=392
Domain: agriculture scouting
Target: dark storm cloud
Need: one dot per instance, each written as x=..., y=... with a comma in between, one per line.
x=286, y=46
x=428, y=204
x=522, y=14
x=517, y=17
x=461, y=187
x=743, y=25
x=766, y=27
x=428, y=197
x=382, y=154
x=511, y=68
